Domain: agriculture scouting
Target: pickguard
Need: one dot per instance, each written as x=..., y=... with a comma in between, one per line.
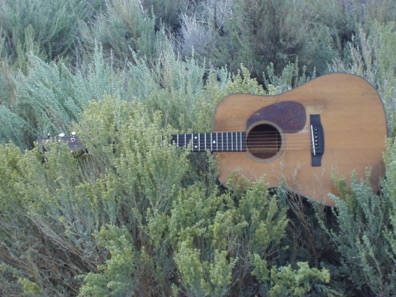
x=290, y=116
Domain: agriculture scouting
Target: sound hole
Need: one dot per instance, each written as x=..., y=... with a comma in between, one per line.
x=264, y=141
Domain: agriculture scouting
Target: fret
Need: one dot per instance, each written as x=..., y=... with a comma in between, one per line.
x=217, y=141
x=240, y=140
x=211, y=142
x=205, y=141
x=232, y=141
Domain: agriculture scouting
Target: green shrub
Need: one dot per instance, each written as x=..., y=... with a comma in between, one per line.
x=54, y=36
x=298, y=282
x=257, y=33
x=115, y=277
x=362, y=218
x=124, y=28
x=166, y=12
x=51, y=97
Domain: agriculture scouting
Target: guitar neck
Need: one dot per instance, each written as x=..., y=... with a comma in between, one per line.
x=214, y=142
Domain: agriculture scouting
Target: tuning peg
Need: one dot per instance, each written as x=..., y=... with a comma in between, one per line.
x=73, y=137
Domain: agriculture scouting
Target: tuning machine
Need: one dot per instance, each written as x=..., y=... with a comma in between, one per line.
x=72, y=141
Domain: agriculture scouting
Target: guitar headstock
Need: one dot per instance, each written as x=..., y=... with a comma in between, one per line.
x=73, y=141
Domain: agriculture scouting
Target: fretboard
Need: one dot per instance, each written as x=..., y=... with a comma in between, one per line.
x=215, y=142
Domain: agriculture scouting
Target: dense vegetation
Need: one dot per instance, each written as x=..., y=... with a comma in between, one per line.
x=138, y=217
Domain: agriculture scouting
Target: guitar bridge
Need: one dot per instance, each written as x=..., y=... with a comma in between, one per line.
x=317, y=140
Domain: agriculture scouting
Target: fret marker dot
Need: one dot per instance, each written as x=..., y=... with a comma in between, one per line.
x=214, y=141
x=195, y=137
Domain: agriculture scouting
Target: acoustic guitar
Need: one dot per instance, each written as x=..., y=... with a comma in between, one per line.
x=332, y=125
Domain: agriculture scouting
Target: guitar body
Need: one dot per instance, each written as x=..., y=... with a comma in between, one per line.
x=281, y=135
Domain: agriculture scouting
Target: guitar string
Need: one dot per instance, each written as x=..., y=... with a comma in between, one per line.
x=258, y=144
x=255, y=135
x=257, y=141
